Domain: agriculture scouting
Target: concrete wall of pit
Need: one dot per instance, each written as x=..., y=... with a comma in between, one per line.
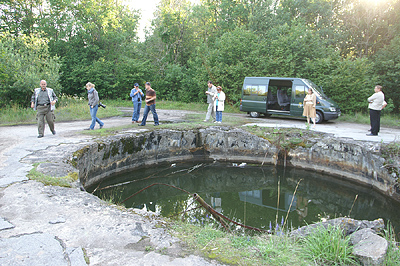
x=356, y=161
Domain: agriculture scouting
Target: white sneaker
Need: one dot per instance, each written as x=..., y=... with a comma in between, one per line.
x=219, y=122
x=215, y=122
x=205, y=120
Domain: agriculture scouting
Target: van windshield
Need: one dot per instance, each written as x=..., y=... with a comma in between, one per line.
x=315, y=88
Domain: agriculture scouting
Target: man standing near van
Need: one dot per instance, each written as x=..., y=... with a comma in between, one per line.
x=211, y=93
x=376, y=102
x=43, y=101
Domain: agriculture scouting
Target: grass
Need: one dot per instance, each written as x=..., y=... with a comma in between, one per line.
x=328, y=246
x=387, y=120
x=191, y=121
x=393, y=252
x=67, y=109
x=171, y=105
x=324, y=247
x=65, y=181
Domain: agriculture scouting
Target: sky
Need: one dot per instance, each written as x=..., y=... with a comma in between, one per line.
x=146, y=9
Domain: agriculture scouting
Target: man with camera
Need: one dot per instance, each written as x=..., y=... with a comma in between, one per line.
x=136, y=95
x=44, y=100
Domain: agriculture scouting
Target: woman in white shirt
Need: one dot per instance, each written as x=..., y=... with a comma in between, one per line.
x=310, y=101
x=219, y=104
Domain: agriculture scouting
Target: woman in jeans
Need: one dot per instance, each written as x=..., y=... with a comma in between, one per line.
x=93, y=98
x=219, y=104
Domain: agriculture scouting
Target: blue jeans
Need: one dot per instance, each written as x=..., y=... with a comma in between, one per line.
x=93, y=112
x=147, y=109
x=218, y=115
x=136, y=110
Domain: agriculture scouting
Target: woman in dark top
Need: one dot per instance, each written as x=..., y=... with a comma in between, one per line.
x=93, y=98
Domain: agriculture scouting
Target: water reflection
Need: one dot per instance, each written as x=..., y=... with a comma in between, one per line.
x=249, y=194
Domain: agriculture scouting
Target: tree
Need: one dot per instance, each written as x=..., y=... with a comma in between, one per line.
x=25, y=60
x=387, y=67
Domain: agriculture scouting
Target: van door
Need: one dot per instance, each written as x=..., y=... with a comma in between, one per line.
x=279, y=96
x=298, y=94
x=255, y=97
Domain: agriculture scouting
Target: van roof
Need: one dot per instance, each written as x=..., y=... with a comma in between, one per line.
x=281, y=78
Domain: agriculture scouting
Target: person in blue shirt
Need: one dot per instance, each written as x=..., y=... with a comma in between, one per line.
x=136, y=95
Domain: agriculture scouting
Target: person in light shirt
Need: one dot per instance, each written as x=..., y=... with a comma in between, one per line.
x=376, y=104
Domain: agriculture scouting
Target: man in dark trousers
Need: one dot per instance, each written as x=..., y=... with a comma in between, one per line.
x=150, y=105
x=43, y=100
x=376, y=102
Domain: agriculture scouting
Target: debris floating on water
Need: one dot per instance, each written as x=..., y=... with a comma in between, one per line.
x=240, y=165
x=173, y=165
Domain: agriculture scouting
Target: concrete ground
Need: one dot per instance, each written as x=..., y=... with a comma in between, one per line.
x=338, y=129
x=44, y=225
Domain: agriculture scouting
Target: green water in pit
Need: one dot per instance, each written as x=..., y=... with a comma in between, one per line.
x=248, y=195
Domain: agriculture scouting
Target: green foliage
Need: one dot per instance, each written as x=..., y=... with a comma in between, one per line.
x=348, y=82
x=68, y=109
x=328, y=246
x=240, y=249
x=344, y=46
x=393, y=252
x=24, y=61
x=387, y=66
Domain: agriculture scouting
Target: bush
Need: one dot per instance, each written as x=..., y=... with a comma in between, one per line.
x=24, y=61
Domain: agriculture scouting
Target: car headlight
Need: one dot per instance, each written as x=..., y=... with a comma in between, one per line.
x=332, y=109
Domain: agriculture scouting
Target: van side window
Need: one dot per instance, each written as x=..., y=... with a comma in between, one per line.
x=300, y=92
x=247, y=90
x=262, y=90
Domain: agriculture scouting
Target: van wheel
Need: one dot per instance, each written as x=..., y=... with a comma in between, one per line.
x=319, y=118
x=254, y=114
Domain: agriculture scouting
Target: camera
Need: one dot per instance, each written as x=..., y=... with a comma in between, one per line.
x=102, y=105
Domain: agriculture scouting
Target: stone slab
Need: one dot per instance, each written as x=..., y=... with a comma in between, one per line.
x=32, y=249
x=5, y=225
x=55, y=169
x=369, y=248
x=76, y=256
x=347, y=224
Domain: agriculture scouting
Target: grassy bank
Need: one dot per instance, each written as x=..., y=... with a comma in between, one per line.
x=170, y=105
x=392, y=121
x=191, y=121
x=67, y=109
x=325, y=246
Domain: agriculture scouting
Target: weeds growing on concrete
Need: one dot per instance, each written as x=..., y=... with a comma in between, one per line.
x=65, y=181
x=391, y=153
